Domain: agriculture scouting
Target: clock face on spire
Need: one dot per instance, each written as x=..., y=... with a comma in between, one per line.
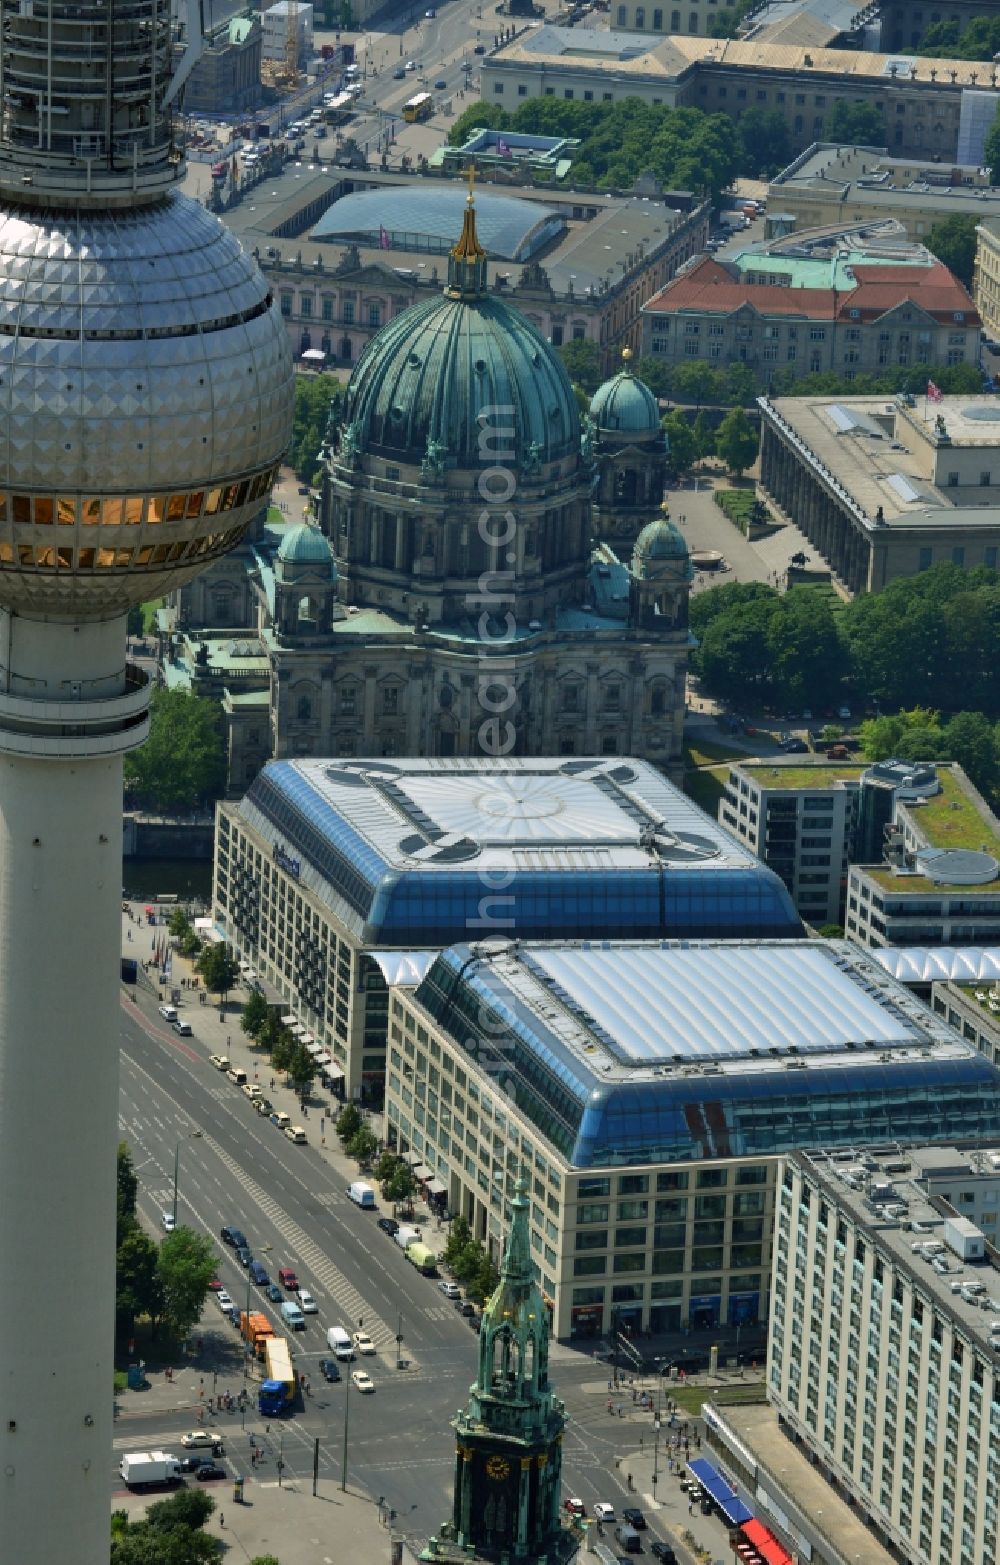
x=497, y=1468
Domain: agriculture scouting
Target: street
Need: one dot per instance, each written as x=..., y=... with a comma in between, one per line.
x=292, y=1205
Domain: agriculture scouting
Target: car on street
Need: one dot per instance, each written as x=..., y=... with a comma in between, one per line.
x=575, y=1506
x=329, y=1369
x=274, y=1293
x=663, y=1551
x=362, y=1380
x=244, y=1255
x=399, y=74
x=219, y=1061
x=844, y=712
x=363, y=1342
x=307, y=1304
x=223, y=1300
x=603, y=1511
x=190, y=1464
x=440, y=85
x=465, y=1307
x=479, y=49
x=234, y=1236
x=411, y=65
x=451, y=1290
x=168, y=1222
x=388, y=1225
x=280, y=1118
x=251, y=1090
x=431, y=14
x=215, y=1285
x=181, y=1027
x=202, y=1437
x=288, y=1279
x=259, y=1274
x=208, y=1471
x=169, y=1012
x=263, y=1105
x=795, y=747
x=634, y=1517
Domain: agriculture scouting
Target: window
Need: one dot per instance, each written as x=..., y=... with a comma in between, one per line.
x=622, y=19
x=640, y=16
x=958, y=555
x=374, y=315
x=657, y=21
x=522, y=90
x=305, y=306
x=348, y=312
x=286, y=304
x=328, y=309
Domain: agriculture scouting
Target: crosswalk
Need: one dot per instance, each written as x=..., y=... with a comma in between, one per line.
x=328, y=1277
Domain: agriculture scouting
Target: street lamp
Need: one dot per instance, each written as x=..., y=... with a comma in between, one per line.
x=265, y=1249
x=192, y=1135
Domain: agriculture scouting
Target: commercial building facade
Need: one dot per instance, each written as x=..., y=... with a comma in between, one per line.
x=649, y=1088
x=800, y=819
x=326, y=865
x=833, y=185
x=882, y=1356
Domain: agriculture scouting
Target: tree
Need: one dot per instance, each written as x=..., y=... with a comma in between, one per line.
x=186, y=1267
x=219, y=968
x=141, y=1544
x=386, y=1166
x=137, y=1280
x=915, y=735
x=281, y=1049
x=736, y=441
x=182, y=764
x=808, y=660
x=582, y=359
x=128, y=1190
x=488, y=115
x=681, y=442
x=855, y=124
x=187, y=1508
x=349, y=1121
x=401, y=1186
x=704, y=436
x=301, y=1069
x=953, y=241
x=254, y=1014
x=971, y=740
x=459, y=1235
x=734, y=658
x=765, y=145
x=362, y=1146
x=319, y=401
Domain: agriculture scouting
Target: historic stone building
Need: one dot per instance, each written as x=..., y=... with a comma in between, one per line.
x=453, y=601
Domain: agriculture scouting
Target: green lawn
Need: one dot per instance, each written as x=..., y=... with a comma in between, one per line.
x=706, y=787
x=705, y=752
x=149, y=615
x=691, y=1398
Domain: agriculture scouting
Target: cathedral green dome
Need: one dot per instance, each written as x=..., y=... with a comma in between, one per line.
x=660, y=540
x=625, y=404
x=420, y=385
x=305, y=545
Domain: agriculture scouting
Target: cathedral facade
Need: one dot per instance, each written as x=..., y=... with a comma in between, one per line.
x=460, y=595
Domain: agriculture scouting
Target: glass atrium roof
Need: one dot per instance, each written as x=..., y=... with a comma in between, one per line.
x=423, y=852
x=509, y=227
x=584, y=1040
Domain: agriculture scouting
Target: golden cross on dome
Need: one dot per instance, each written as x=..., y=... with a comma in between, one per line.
x=470, y=174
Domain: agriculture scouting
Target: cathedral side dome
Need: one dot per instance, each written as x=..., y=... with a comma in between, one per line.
x=305, y=545
x=422, y=383
x=660, y=541
x=624, y=404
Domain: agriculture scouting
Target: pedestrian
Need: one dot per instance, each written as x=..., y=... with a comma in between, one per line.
x=222, y=1518
x=628, y=1480
x=690, y=1507
x=229, y=1040
x=272, y=1083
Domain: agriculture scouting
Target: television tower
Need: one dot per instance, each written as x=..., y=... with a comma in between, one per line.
x=145, y=402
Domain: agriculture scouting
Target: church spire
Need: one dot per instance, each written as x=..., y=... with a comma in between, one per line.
x=467, y=258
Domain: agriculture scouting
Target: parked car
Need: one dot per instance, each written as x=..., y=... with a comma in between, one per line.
x=388, y=1225
x=465, y=1307
x=184, y=1028
x=451, y=1290
x=274, y=1293
x=244, y=1255
x=399, y=74
x=307, y=1304
x=663, y=1551
x=215, y=1285
x=219, y=1061
x=168, y=1222
x=575, y=1506
x=234, y=1236
x=223, y=1300
x=479, y=49
x=329, y=1369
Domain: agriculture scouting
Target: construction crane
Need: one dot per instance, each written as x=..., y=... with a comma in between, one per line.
x=292, y=43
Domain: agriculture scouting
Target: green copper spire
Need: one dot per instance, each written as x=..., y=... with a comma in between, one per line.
x=509, y=1437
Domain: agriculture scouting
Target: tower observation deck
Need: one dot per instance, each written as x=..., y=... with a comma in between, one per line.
x=145, y=402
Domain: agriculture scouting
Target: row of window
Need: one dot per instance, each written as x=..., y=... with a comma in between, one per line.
x=131, y=510
x=65, y=558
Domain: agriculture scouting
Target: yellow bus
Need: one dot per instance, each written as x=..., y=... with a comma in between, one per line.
x=419, y=108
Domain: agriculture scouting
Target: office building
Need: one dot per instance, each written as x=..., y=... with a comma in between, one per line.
x=921, y=99
x=800, y=817
x=147, y=403
x=829, y=185
x=987, y=279
x=939, y=883
x=649, y=1089
x=887, y=488
x=882, y=1359
x=287, y=26
x=852, y=303
x=326, y=864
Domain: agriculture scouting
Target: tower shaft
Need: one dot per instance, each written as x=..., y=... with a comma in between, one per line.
x=69, y=708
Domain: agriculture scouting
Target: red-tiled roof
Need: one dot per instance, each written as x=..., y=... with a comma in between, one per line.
x=708, y=288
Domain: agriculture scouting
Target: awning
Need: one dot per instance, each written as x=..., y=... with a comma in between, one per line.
x=730, y=1505
x=314, y=1048
x=403, y=967
x=297, y=1028
x=334, y=1072
x=288, y=1021
x=324, y=1057
x=413, y=1158
x=766, y=1543
x=204, y=924
x=435, y=1187
x=422, y=1172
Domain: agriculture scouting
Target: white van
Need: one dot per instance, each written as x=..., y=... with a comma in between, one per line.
x=361, y=1194
x=404, y=1237
x=339, y=1343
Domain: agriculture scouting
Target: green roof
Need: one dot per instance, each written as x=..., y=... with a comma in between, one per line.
x=798, y=777
x=951, y=819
